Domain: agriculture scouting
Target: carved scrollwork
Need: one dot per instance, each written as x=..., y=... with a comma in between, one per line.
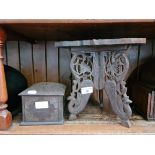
x=78, y=100
x=116, y=67
x=82, y=68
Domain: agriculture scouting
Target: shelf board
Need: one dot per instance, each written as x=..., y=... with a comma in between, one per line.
x=71, y=29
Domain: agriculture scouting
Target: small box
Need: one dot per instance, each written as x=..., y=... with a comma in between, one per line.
x=144, y=100
x=42, y=103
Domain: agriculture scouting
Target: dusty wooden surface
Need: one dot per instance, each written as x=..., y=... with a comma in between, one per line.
x=79, y=129
x=89, y=122
x=96, y=42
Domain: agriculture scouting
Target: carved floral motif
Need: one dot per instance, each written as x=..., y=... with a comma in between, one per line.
x=82, y=69
x=82, y=66
x=116, y=67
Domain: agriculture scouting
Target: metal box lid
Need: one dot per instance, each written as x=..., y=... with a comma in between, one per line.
x=45, y=88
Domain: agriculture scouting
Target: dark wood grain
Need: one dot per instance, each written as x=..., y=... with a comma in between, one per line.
x=94, y=98
x=153, y=52
x=52, y=62
x=152, y=105
x=39, y=62
x=106, y=103
x=140, y=99
x=148, y=107
x=64, y=68
x=79, y=29
x=13, y=54
x=133, y=60
x=26, y=60
x=5, y=55
x=145, y=52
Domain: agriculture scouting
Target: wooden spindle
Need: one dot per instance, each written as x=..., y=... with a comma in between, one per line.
x=5, y=115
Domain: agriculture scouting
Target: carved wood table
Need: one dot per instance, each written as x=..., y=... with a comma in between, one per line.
x=100, y=64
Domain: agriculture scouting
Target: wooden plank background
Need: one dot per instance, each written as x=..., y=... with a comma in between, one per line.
x=13, y=54
x=44, y=62
x=64, y=68
x=26, y=59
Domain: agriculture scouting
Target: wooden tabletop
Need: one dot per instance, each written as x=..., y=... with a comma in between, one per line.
x=97, y=42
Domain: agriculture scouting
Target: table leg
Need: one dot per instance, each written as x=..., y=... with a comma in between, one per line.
x=5, y=115
x=82, y=68
x=117, y=65
x=101, y=98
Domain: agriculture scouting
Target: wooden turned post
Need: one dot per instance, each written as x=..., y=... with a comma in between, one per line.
x=5, y=115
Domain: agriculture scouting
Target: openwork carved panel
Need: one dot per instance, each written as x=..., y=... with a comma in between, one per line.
x=116, y=65
x=82, y=66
